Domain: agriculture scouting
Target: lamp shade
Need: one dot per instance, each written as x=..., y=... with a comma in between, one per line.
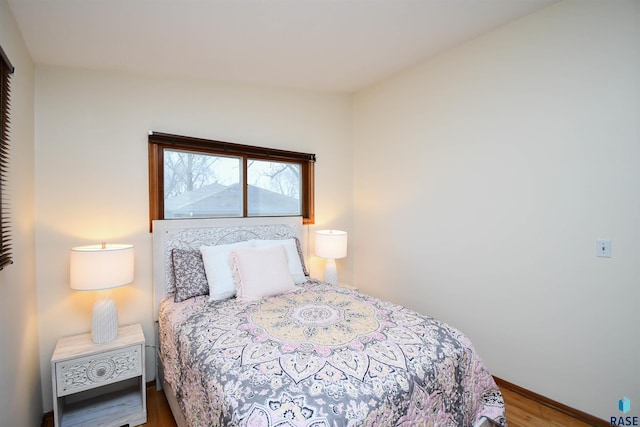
x=331, y=244
x=97, y=267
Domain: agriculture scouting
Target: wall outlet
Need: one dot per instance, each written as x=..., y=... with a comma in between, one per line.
x=603, y=248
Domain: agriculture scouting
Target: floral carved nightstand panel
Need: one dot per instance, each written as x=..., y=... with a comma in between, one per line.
x=87, y=372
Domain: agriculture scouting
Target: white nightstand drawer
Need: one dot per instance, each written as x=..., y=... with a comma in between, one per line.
x=87, y=372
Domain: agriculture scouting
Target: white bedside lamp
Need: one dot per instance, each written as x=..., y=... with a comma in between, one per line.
x=331, y=244
x=97, y=268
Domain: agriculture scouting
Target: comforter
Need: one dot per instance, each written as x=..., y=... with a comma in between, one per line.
x=321, y=356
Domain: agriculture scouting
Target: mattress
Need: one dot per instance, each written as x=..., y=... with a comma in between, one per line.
x=321, y=356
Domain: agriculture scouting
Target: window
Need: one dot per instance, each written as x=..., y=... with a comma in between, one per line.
x=199, y=178
x=6, y=69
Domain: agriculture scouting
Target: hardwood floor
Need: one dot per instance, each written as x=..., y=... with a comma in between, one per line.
x=521, y=412
x=526, y=408
x=158, y=411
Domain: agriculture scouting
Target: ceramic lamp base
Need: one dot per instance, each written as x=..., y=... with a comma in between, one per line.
x=331, y=272
x=104, y=325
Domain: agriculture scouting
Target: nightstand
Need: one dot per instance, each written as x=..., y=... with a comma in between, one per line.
x=100, y=384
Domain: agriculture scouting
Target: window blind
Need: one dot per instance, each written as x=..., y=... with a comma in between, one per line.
x=6, y=70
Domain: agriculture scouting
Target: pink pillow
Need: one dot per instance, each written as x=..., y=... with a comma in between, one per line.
x=261, y=272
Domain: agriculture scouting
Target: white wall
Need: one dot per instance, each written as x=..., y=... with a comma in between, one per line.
x=91, y=172
x=483, y=178
x=20, y=397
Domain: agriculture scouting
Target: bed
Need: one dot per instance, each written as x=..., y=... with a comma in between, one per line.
x=308, y=354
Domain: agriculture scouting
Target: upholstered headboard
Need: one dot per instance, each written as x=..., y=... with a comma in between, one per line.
x=193, y=233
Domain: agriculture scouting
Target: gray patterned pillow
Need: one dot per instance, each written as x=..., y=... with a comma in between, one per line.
x=188, y=270
x=299, y=247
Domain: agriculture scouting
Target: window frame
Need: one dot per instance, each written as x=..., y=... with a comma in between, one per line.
x=158, y=142
x=6, y=70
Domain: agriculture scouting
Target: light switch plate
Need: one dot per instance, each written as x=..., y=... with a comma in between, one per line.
x=603, y=248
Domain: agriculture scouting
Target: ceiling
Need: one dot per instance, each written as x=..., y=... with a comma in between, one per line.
x=328, y=45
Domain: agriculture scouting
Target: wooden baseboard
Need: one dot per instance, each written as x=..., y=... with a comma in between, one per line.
x=557, y=406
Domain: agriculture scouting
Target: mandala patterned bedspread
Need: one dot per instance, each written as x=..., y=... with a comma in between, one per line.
x=321, y=356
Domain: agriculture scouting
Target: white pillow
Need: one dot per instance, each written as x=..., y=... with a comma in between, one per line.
x=217, y=266
x=293, y=257
x=261, y=272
